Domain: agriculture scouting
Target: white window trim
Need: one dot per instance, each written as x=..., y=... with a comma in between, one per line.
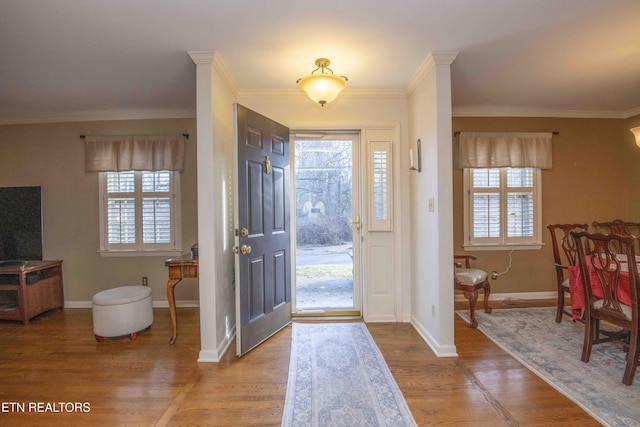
x=532, y=243
x=164, y=250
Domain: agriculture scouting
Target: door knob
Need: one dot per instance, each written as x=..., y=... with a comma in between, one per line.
x=357, y=223
x=244, y=249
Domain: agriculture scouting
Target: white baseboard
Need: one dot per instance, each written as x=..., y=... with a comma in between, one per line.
x=156, y=304
x=214, y=356
x=440, y=351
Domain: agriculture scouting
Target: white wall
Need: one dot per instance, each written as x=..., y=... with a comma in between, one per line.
x=431, y=206
x=215, y=98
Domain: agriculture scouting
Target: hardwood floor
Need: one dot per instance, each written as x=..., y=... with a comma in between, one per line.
x=147, y=382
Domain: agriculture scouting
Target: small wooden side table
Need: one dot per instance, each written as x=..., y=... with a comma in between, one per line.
x=179, y=268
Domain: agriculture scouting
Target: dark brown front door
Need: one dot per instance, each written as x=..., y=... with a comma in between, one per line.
x=263, y=267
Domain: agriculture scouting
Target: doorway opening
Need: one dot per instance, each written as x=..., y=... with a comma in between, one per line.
x=327, y=234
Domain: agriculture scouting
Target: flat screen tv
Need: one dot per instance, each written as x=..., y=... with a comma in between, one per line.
x=20, y=223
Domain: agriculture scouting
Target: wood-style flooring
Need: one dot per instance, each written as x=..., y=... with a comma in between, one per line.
x=55, y=361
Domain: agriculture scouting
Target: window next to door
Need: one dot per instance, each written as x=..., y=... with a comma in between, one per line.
x=502, y=208
x=139, y=213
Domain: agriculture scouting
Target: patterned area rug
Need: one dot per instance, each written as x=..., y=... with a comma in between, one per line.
x=553, y=350
x=337, y=377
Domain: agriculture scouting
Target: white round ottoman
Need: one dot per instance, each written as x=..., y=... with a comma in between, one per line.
x=126, y=310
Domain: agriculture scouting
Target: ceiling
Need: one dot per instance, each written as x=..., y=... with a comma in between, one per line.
x=81, y=58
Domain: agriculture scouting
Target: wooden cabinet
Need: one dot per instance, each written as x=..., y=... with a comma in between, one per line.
x=30, y=288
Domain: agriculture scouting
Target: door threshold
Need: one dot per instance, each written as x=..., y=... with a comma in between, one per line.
x=320, y=313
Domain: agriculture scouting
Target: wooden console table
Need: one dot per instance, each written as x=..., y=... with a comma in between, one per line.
x=32, y=287
x=179, y=268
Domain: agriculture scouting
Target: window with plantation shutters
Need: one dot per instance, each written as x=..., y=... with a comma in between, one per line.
x=381, y=208
x=502, y=208
x=139, y=211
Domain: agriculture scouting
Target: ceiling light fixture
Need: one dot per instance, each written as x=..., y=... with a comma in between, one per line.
x=636, y=132
x=322, y=87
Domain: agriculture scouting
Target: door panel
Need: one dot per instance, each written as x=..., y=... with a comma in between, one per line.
x=263, y=264
x=255, y=192
x=279, y=195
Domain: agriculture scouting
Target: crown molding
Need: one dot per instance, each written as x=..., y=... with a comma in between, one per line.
x=524, y=112
x=200, y=57
x=297, y=93
x=632, y=112
x=105, y=115
x=433, y=59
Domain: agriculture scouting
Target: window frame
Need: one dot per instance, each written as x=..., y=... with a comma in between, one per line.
x=139, y=248
x=503, y=242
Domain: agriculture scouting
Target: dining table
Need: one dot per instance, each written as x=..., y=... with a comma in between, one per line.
x=577, y=291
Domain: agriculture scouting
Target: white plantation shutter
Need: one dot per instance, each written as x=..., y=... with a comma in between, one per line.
x=380, y=187
x=486, y=203
x=486, y=215
x=502, y=206
x=121, y=220
x=156, y=207
x=140, y=211
x=156, y=220
x=381, y=209
x=520, y=203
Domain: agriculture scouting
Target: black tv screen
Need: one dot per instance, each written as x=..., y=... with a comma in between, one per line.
x=20, y=223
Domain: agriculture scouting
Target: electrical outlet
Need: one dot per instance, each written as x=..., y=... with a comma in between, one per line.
x=494, y=275
x=145, y=281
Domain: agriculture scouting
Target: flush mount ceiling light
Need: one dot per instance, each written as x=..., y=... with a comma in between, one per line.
x=636, y=133
x=322, y=87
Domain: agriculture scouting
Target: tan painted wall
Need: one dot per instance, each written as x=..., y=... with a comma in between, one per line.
x=594, y=176
x=596, y=167
x=52, y=155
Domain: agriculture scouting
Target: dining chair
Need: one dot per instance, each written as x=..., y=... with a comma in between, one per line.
x=618, y=226
x=564, y=256
x=469, y=280
x=604, y=273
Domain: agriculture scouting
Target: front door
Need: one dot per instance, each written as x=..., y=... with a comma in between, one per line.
x=263, y=238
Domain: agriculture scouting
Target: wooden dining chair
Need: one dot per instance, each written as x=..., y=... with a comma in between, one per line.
x=469, y=280
x=602, y=274
x=618, y=226
x=564, y=256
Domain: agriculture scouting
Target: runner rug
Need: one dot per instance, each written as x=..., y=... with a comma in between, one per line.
x=553, y=350
x=338, y=377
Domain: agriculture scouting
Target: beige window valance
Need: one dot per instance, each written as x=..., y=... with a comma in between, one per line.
x=135, y=152
x=505, y=149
